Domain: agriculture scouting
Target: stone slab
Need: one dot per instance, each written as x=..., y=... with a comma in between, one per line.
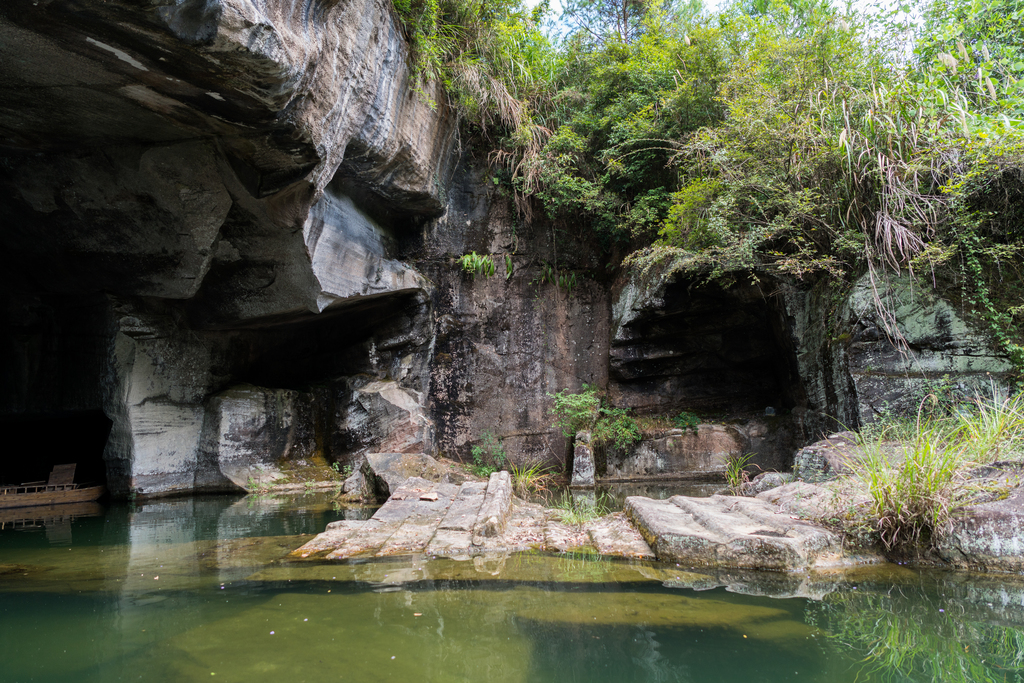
x=494, y=511
x=450, y=542
x=465, y=508
x=614, y=535
x=729, y=531
x=336, y=534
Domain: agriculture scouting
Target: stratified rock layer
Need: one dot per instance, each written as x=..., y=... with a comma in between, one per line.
x=728, y=531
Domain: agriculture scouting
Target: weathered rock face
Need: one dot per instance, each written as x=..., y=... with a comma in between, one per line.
x=793, y=352
x=680, y=346
x=939, y=348
x=207, y=198
x=202, y=194
x=503, y=343
x=754, y=353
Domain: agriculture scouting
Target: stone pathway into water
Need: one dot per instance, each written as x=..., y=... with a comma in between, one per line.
x=731, y=531
x=441, y=519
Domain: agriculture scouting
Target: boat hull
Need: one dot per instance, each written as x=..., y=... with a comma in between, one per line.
x=59, y=497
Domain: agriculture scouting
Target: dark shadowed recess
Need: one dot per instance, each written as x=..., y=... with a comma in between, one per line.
x=335, y=343
x=710, y=350
x=33, y=444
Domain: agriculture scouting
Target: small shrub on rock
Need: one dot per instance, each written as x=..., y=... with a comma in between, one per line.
x=588, y=410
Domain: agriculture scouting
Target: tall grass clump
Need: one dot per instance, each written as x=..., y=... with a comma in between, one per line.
x=915, y=482
x=577, y=511
x=530, y=478
x=910, y=500
x=992, y=429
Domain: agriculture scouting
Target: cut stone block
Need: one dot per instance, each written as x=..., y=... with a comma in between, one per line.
x=494, y=511
x=729, y=531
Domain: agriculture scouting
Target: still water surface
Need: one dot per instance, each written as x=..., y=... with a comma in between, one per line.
x=197, y=589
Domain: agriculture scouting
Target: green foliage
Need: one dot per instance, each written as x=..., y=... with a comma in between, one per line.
x=687, y=421
x=785, y=137
x=915, y=488
x=477, y=265
x=576, y=412
x=345, y=471
x=578, y=510
x=735, y=471
x=588, y=410
x=530, y=478
x=549, y=274
x=911, y=499
x=488, y=455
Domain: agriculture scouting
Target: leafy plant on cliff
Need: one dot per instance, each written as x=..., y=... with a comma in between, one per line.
x=488, y=455
x=686, y=421
x=475, y=264
x=588, y=410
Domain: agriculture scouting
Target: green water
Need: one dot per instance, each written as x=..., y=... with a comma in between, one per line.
x=198, y=589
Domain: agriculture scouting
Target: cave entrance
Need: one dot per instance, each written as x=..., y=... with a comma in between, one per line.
x=35, y=443
x=724, y=353
x=709, y=350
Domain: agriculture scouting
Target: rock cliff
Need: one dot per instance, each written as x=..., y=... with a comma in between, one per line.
x=232, y=230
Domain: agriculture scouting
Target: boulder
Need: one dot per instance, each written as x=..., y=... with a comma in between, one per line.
x=825, y=459
x=386, y=472
x=248, y=431
x=765, y=482
x=837, y=455
x=989, y=536
x=729, y=531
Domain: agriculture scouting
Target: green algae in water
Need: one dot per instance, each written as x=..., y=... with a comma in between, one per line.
x=181, y=592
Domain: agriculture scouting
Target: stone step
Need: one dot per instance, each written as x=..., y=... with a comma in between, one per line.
x=421, y=516
x=614, y=535
x=476, y=518
x=730, y=531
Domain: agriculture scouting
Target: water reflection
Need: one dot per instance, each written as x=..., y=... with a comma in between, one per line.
x=946, y=629
x=185, y=588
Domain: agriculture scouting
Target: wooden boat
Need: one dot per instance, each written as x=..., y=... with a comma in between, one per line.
x=58, y=490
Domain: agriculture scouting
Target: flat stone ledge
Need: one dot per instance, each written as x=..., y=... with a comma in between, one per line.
x=470, y=520
x=731, y=531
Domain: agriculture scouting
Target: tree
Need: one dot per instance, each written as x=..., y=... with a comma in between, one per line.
x=621, y=20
